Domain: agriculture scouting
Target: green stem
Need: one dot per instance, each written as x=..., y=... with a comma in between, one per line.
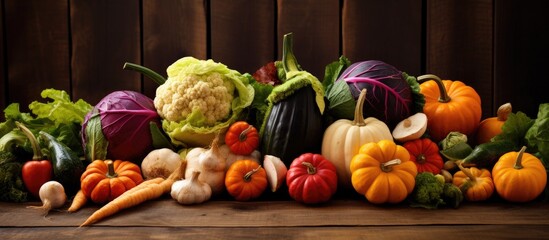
x=37, y=154
x=289, y=62
x=444, y=98
x=145, y=71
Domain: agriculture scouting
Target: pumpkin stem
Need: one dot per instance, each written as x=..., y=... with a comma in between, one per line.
x=248, y=175
x=503, y=112
x=110, y=166
x=388, y=166
x=244, y=134
x=359, y=117
x=421, y=158
x=518, y=162
x=444, y=98
x=310, y=168
x=467, y=173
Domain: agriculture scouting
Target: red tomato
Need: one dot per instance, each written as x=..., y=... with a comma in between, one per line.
x=311, y=178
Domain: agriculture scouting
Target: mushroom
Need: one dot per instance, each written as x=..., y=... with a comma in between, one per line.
x=410, y=128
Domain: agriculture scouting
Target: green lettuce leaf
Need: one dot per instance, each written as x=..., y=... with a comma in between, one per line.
x=342, y=103
x=417, y=96
x=61, y=109
x=333, y=70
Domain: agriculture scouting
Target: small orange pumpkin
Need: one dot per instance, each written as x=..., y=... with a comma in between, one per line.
x=242, y=138
x=245, y=180
x=383, y=172
x=449, y=106
x=476, y=184
x=104, y=180
x=519, y=177
x=490, y=127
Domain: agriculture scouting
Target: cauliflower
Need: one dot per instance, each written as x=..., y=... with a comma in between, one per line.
x=201, y=98
x=209, y=95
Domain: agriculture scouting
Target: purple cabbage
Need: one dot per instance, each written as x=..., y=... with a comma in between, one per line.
x=118, y=127
x=389, y=95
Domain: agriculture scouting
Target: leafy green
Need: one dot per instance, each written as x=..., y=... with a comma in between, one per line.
x=61, y=109
x=514, y=129
x=417, y=97
x=537, y=136
x=333, y=70
x=259, y=105
x=11, y=185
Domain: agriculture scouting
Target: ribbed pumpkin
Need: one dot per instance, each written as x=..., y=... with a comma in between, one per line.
x=383, y=172
x=425, y=154
x=475, y=183
x=490, y=127
x=104, y=180
x=449, y=106
x=245, y=180
x=343, y=138
x=519, y=177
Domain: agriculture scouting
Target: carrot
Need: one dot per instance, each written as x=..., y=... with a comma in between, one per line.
x=148, y=190
x=78, y=201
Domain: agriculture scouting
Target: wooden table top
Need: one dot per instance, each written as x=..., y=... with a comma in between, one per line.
x=341, y=218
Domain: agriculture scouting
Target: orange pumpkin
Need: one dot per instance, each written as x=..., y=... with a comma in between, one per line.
x=383, y=172
x=245, y=180
x=490, y=127
x=449, y=106
x=476, y=184
x=242, y=138
x=519, y=177
x=104, y=180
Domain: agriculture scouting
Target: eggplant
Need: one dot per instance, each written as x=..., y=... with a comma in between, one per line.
x=293, y=127
x=294, y=124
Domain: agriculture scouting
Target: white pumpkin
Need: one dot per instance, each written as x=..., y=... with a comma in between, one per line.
x=343, y=138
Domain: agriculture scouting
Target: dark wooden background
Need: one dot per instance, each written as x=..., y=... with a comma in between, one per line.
x=498, y=47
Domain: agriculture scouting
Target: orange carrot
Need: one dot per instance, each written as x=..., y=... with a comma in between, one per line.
x=148, y=190
x=78, y=201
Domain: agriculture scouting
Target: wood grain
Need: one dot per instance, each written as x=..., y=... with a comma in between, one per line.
x=172, y=29
x=301, y=233
x=315, y=27
x=37, y=49
x=337, y=219
x=105, y=35
x=459, y=45
x=521, y=50
x=243, y=33
x=390, y=31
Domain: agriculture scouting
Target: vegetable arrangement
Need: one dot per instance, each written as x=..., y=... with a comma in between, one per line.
x=210, y=131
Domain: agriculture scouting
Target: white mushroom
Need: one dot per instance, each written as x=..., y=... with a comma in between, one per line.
x=410, y=128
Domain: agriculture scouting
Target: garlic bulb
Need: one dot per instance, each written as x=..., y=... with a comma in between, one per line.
x=191, y=191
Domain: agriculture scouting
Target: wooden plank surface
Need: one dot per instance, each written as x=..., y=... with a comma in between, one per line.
x=168, y=213
x=105, y=35
x=302, y=233
x=390, y=31
x=243, y=33
x=315, y=26
x=172, y=29
x=459, y=45
x=521, y=50
x=37, y=49
x=337, y=219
